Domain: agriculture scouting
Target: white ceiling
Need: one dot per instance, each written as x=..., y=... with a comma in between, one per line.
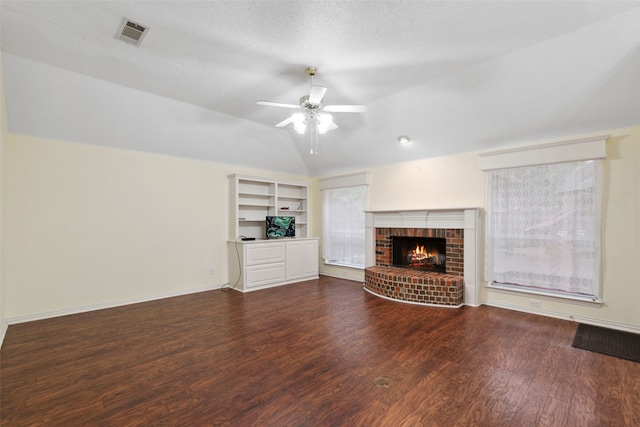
x=455, y=76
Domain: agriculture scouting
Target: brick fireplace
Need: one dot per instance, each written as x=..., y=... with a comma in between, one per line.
x=411, y=285
x=453, y=287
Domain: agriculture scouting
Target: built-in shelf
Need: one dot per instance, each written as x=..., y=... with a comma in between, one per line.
x=261, y=263
x=252, y=199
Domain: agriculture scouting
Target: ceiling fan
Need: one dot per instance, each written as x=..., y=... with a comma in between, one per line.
x=312, y=112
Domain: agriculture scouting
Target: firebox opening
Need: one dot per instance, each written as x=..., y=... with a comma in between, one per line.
x=420, y=253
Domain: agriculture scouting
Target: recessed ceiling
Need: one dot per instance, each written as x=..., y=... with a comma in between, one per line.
x=456, y=76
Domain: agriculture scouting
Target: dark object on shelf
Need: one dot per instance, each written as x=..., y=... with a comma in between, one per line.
x=245, y=239
x=280, y=226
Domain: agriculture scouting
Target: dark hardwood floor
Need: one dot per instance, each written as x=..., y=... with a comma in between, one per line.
x=308, y=354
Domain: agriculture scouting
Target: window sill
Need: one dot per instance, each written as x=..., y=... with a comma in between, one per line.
x=574, y=299
x=338, y=264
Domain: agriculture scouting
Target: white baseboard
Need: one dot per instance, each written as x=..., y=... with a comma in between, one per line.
x=607, y=324
x=101, y=306
x=565, y=316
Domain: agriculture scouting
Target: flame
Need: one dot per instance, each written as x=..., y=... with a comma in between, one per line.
x=420, y=253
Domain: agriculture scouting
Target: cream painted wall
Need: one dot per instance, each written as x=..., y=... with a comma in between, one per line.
x=437, y=183
x=90, y=226
x=3, y=138
x=457, y=182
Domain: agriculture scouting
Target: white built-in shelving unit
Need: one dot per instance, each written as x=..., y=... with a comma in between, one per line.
x=261, y=263
x=252, y=199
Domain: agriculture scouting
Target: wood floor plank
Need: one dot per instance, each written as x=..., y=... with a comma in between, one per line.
x=308, y=354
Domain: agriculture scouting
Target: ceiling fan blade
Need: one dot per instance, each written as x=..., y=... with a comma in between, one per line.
x=285, y=122
x=316, y=94
x=277, y=104
x=346, y=108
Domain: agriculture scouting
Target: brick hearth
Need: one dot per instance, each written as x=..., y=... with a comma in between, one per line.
x=417, y=286
x=423, y=287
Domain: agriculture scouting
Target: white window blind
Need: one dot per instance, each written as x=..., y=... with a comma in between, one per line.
x=344, y=201
x=544, y=220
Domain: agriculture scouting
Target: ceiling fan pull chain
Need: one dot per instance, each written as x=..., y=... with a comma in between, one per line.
x=313, y=145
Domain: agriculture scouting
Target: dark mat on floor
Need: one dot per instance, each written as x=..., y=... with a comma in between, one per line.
x=625, y=345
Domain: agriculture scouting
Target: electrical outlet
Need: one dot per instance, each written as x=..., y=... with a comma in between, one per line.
x=535, y=303
x=211, y=271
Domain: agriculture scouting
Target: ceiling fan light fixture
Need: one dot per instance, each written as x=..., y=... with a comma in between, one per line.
x=299, y=122
x=325, y=123
x=313, y=116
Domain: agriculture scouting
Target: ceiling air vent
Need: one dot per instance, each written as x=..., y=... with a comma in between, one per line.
x=131, y=32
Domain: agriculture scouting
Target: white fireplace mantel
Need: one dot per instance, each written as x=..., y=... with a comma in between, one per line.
x=468, y=219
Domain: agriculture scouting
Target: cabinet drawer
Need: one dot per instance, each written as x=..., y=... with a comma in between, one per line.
x=261, y=275
x=264, y=253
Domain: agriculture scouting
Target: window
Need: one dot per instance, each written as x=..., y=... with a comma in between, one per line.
x=543, y=218
x=544, y=227
x=343, y=231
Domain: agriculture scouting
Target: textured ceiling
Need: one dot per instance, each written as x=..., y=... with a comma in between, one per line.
x=455, y=76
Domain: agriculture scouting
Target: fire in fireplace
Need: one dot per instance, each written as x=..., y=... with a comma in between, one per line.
x=420, y=253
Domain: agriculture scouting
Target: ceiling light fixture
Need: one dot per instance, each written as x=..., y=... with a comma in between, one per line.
x=299, y=122
x=325, y=123
x=318, y=123
x=404, y=139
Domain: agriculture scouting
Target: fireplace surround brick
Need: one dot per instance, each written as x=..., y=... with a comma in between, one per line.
x=455, y=245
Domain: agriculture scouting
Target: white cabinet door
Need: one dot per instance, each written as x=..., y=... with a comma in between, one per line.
x=309, y=258
x=263, y=264
x=294, y=260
